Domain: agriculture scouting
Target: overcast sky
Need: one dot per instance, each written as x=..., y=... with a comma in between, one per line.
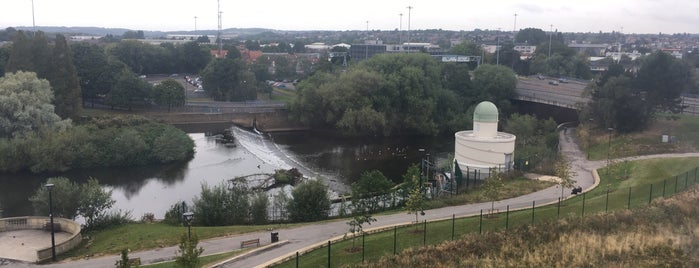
x=628, y=16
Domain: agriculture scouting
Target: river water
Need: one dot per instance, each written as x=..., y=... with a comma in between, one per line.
x=338, y=161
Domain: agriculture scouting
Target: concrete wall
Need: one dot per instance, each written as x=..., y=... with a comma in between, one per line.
x=38, y=223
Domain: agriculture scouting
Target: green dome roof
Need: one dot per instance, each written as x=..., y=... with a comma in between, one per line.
x=485, y=112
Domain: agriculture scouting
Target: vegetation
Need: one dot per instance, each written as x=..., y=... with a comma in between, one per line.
x=98, y=142
x=371, y=188
x=536, y=144
x=310, y=202
x=222, y=205
x=229, y=80
x=393, y=94
x=628, y=102
x=87, y=200
x=188, y=253
x=25, y=106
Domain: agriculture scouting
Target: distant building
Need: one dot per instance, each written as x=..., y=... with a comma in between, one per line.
x=591, y=50
x=372, y=47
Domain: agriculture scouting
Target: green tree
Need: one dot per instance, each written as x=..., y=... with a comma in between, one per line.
x=64, y=80
x=531, y=36
x=310, y=202
x=65, y=194
x=94, y=201
x=97, y=75
x=195, y=57
x=129, y=91
x=360, y=216
x=21, y=57
x=169, y=93
x=492, y=187
x=565, y=174
x=172, y=145
x=415, y=203
x=495, y=83
x=25, y=105
x=370, y=190
x=187, y=255
x=663, y=78
x=258, y=208
x=617, y=104
x=223, y=80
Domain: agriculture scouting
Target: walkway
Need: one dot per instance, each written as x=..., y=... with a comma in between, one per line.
x=305, y=236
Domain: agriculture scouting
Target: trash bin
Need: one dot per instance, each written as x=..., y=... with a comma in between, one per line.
x=275, y=237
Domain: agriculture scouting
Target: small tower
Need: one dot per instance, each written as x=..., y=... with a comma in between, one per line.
x=484, y=148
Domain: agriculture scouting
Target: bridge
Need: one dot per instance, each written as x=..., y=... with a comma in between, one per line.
x=569, y=94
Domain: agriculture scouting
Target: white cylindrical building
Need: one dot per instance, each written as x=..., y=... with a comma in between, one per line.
x=484, y=148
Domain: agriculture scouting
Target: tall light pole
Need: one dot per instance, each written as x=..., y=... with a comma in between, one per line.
x=33, y=22
x=400, y=29
x=609, y=146
x=410, y=8
x=53, y=239
x=195, y=24
x=366, y=43
x=514, y=35
x=220, y=42
x=497, y=48
x=514, y=29
x=550, y=37
x=188, y=218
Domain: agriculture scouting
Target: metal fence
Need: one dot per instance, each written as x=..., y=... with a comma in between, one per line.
x=391, y=240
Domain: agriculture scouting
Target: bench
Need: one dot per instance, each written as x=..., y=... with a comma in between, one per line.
x=250, y=242
x=132, y=262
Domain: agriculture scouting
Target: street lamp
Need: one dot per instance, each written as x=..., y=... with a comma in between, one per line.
x=550, y=37
x=609, y=146
x=53, y=239
x=410, y=8
x=188, y=218
x=589, y=134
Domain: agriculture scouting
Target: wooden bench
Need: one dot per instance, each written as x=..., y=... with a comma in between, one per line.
x=250, y=242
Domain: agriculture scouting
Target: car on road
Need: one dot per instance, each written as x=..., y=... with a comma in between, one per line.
x=553, y=82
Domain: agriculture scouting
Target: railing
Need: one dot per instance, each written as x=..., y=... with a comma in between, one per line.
x=39, y=223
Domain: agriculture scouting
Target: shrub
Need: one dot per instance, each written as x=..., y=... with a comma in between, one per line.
x=310, y=202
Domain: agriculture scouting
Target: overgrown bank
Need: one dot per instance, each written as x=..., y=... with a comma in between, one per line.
x=662, y=234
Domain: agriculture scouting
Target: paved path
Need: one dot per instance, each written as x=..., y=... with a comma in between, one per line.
x=301, y=237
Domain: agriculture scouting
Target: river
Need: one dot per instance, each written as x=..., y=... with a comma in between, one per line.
x=337, y=160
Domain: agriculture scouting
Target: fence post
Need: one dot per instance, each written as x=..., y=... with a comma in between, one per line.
x=675, y=185
x=363, y=234
x=480, y=225
x=583, y=207
x=533, y=204
x=453, y=218
x=606, y=202
x=664, y=182
x=695, y=174
x=424, y=233
x=297, y=259
x=558, y=210
x=328, y=253
x=628, y=202
x=650, y=196
x=395, y=228
x=686, y=178
x=507, y=217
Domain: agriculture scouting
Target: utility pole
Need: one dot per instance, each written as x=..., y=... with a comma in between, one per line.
x=497, y=48
x=400, y=29
x=195, y=24
x=220, y=42
x=366, y=42
x=33, y=21
x=550, y=36
x=410, y=8
x=514, y=35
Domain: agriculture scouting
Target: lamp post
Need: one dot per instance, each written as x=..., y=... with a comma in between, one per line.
x=550, y=37
x=53, y=239
x=497, y=48
x=188, y=217
x=609, y=146
x=410, y=8
x=400, y=29
x=589, y=134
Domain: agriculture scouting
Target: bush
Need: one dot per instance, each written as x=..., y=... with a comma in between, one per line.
x=310, y=202
x=173, y=216
x=109, y=220
x=258, y=208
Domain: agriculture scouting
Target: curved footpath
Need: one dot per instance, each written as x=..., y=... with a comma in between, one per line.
x=299, y=238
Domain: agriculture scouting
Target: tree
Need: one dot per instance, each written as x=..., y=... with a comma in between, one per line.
x=663, y=78
x=64, y=80
x=495, y=83
x=223, y=80
x=187, y=255
x=492, y=188
x=195, y=57
x=258, y=208
x=25, y=105
x=370, y=189
x=310, y=202
x=531, y=36
x=66, y=197
x=169, y=93
x=565, y=174
x=415, y=203
x=94, y=201
x=617, y=104
x=360, y=216
x=97, y=74
x=129, y=91
x=21, y=57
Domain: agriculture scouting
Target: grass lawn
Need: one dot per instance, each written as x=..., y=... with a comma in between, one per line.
x=142, y=236
x=649, y=141
x=649, y=179
x=204, y=260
